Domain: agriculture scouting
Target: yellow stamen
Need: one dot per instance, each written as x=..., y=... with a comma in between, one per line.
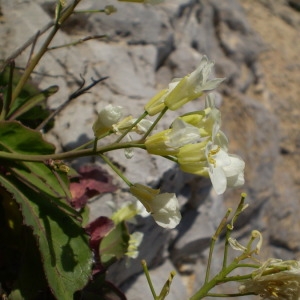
x=211, y=160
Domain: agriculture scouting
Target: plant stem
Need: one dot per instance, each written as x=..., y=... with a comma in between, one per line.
x=132, y=126
x=8, y=97
x=144, y=265
x=33, y=63
x=200, y=294
x=154, y=123
x=80, y=41
x=213, y=241
x=229, y=295
x=115, y=169
x=70, y=154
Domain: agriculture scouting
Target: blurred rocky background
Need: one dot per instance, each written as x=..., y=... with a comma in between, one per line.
x=255, y=45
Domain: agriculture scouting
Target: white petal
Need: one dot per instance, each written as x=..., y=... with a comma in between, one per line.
x=141, y=209
x=235, y=172
x=212, y=84
x=235, y=167
x=218, y=180
x=182, y=134
x=221, y=140
x=110, y=115
x=222, y=158
x=165, y=210
x=143, y=126
x=236, y=181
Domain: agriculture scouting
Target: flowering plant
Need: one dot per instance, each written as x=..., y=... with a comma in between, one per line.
x=51, y=249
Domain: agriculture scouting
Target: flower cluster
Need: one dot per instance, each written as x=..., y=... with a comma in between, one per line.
x=200, y=147
x=194, y=140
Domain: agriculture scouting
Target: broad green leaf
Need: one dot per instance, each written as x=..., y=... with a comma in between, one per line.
x=46, y=182
x=114, y=245
x=14, y=137
x=63, y=244
x=31, y=282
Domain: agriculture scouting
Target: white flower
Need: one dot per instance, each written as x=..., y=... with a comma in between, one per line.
x=107, y=117
x=169, y=141
x=225, y=170
x=126, y=123
x=192, y=86
x=183, y=90
x=164, y=208
x=182, y=134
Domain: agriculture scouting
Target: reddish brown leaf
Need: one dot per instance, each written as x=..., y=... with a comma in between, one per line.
x=92, y=181
x=97, y=230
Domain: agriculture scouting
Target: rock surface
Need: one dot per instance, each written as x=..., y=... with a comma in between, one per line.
x=254, y=45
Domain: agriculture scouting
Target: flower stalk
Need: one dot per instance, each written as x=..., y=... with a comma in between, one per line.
x=64, y=15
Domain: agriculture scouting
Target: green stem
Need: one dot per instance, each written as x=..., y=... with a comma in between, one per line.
x=116, y=169
x=33, y=63
x=91, y=142
x=70, y=154
x=229, y=295
x=89, y=11
x=95, y=144
x=7, y=99
x=228, y=233
x=154, y=123
x=132, y=126
x=144, y=265
x=213, y=241
x=83, y=146
x=80, y=41
x=201, y=293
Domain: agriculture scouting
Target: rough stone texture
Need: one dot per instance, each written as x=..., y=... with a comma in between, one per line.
x=254, y=44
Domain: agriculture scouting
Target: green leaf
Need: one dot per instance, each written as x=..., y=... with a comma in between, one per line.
x=31, y=282
x=115, y=244
x=30, y=105
x=31, y=102
x=63, y=243
x=14, y=137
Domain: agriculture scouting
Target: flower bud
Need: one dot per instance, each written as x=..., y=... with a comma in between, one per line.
x=107, y=117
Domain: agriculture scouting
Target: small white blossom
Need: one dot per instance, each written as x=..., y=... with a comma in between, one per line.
x=169, y=141
x=164, y=208
x=225, y=170
x=192, y=86
x=183, y=90
x=107, y=117
x=182, y=134
x=126, y=123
